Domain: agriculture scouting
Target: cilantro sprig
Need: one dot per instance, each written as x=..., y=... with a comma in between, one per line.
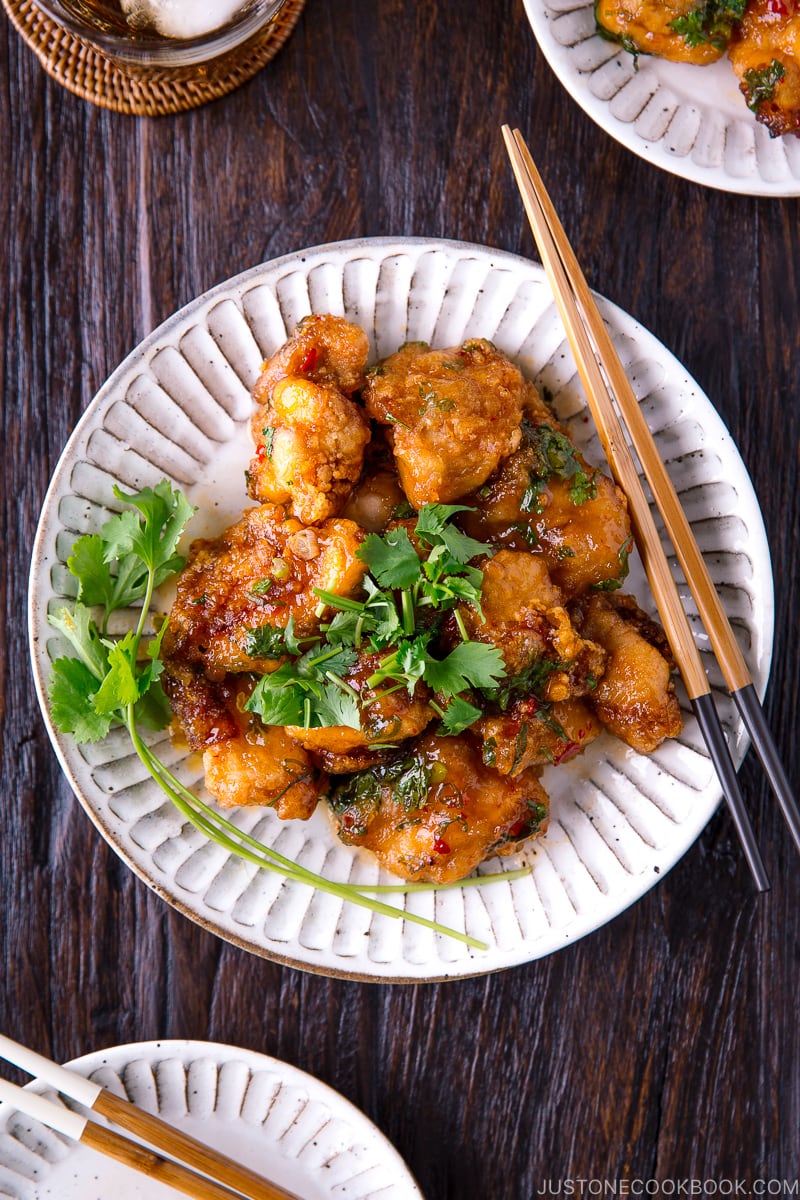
x=411, y=586
x=109, y=681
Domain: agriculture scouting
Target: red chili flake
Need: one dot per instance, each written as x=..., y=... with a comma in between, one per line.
x=261, y=452
x=441, y=846
x=569, y=751
x=516, y=829
x=778, y=8
x=310, y=361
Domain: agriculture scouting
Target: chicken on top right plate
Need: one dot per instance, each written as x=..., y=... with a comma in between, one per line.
x=706, y=89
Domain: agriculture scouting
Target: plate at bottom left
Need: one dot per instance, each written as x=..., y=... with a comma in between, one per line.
x=274, y=1118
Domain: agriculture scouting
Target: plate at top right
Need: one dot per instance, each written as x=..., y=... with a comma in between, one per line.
x=686, y=119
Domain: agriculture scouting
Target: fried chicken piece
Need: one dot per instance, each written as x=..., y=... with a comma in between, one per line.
x=259, y=572
x=635, y=698
x=386, y=714
x=323, y=348
x=546, y=498
x=245, y=762
x=533, y=734
x=454, y=415
x=524, y=616
x=686, y=31
x=437, y=812
x=765, y=54
x=309, y=435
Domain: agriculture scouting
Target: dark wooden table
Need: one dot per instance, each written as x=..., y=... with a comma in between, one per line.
x=665, y=1046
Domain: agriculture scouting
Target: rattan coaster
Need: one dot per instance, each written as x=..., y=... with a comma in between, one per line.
x=90, y=75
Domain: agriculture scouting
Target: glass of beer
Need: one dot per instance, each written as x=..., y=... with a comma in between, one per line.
x=170, y=40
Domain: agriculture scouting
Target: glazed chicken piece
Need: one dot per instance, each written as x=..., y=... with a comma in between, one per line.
x=524, y=616
x=635, y=698
x=688, y=31
x=765, y=53
x=255, y=576
x=454, y=415
x=309, y=435
x=245, y=762
x=323, y=348
x=532, y=733
x=436, y=812
x=546, y=498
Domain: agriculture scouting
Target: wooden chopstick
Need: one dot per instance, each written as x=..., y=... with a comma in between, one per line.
x=225, y=1174
x=74, y=1125
x=575, y=307
x=726, y=648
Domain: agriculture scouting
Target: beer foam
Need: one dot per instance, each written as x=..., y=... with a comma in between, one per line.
x=181, y=18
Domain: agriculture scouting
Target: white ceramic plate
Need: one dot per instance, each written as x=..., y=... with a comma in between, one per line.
x=179, y=406
x=689, y=120
x=283, y=1123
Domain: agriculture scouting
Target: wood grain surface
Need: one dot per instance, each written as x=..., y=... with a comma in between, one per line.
x=666, y=1045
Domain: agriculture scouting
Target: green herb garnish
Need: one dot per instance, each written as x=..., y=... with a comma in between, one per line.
x=554, y=456
x=409, y=590
x=761, y=83
x=712, y=22
x=115, y=682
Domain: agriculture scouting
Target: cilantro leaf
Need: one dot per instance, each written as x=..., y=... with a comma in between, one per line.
x=474, y=664
x=71, y=690
x=152, y=709
x=309, y=692
x=120, y=687
x=165, y=511
x=88, y=564
x=265, y=641
x=276, y=701
x=334, y=706
x=391, y=558
x=80, y=631
x=458, y=716
x=433, y=528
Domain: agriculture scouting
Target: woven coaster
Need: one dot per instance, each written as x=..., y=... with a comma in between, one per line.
x=89, y=74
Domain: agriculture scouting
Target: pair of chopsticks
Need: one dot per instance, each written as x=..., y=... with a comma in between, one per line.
x=612, y=401
x=211, y=1176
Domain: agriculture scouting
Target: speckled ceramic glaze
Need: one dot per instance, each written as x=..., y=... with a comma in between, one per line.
x=179, y=407
x=687, y=119
x=261, y=1112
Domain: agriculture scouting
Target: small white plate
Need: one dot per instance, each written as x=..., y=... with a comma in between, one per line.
x=271, y=1117
x=179, y=407
x=689, y=120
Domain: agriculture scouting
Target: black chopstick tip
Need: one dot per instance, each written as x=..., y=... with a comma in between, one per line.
x=714, y=736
